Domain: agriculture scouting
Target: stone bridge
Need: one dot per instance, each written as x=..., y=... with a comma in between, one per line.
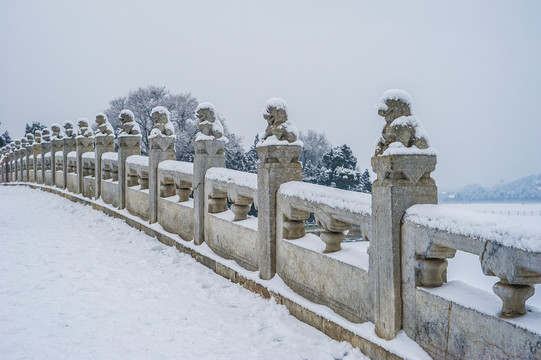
x=391, y=288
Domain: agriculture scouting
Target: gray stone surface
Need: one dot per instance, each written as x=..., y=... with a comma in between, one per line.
x=278, y=164
x=161, y=148
x=403, y=181
x=104, y=142
x=177, y=218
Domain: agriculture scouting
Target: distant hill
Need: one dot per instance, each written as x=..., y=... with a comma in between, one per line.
x=525, y=189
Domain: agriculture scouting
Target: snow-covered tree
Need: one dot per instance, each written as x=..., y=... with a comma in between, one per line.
x=36, y=125
x=5, y=138
x=315, y=145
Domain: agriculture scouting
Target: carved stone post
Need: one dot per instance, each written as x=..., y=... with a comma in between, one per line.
x=129, y=143
x=84, y=143
x=57, y=145
x=279, y=152
x=37, y=154
x=403, y=163
x=29, y=152
x=22, y=154
x=45, y=148
x=105, y=142
x=161, y=143
x=16, y=159
x=68, y=146
x=209, y=146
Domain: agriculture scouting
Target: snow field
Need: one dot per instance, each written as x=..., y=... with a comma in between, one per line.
x=77, y=284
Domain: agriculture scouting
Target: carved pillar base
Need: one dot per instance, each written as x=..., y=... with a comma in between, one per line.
x=278, y=164
x=37, y=155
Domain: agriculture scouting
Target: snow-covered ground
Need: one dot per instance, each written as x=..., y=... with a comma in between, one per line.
x=508, y=209
x=77, y=284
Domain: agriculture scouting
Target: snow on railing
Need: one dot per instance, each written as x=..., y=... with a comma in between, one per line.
x=335, y=211
x=137, y=171
x=109, y=166
x=240, y=187
x=175, y=177
x=506, y=248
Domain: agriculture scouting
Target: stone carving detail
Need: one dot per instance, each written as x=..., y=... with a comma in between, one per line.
x=29, y=139
x=57, y=132
x=128, y=126
x=84, y=128
x=104, y=126
x=46, y=135
x=278, y=124
x=17, y=143
x=68, y=129
x=162, y=123
x=402, y=129
x=37, y=137
x=208, y=125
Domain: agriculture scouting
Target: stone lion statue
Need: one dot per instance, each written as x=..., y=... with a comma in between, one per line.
x=17, y=144
x=57, y=132
x=104, y=126
x=128, y=126
x=162, y=125
x=29, y=138
x=68, y=129
x=37, y=136
x=84, y=129
x=277, y=122
x=400, y=125
x=208, y=124
x=46, y=135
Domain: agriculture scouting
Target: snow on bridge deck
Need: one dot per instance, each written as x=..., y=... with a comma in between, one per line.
x=77, y=284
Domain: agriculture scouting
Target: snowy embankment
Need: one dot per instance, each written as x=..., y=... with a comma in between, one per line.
x=77, y=284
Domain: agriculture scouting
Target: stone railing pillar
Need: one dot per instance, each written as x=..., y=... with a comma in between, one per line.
x=160, y=148
x=37, y=155
x=278, y=164
x=402, y=181
x=28, y=156
x=128, y=145
x=103, y=143
x=208, y=153
x=82, y=145
x=57, y=146
x=69, y=146
x=45, y=148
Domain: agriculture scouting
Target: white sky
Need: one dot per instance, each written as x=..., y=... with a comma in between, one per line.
x=473, y=68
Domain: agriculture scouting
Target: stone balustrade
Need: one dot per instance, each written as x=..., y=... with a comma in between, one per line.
x=431, y=234
x=392, y=279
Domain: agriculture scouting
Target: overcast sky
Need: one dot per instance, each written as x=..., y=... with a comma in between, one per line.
x=473, y=69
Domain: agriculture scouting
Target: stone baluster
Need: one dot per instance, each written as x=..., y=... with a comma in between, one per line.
x=209, y=146
x=334, y=230
x=167, y=187
x=293, y=223
x=131, y=178
x=22, y=154
x=241, y=205
x=217, y=201
x=403, y=180
x=279, y=152
x=431, y=265
x=16, y=159
x=129, y=143
x=57, y=145
x=516, y=278
x=143, y=178
x=104, y=142
x=183, y=189
x=161, y=143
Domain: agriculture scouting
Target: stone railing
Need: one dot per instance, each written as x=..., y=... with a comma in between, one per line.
x=137, y=191
x=175, y=207
x=454, y=312
x=335, y=211
x=392, y=280
x=109, y=178
x=231, y=233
